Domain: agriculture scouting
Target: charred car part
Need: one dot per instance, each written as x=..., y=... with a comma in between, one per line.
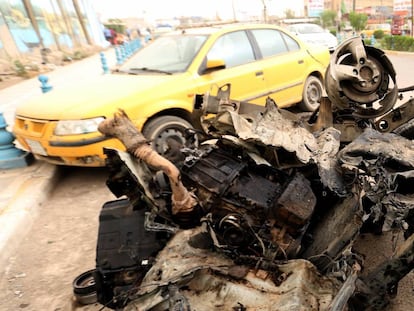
x=227, y=183
x=118, y=269
x=270, y=199
x=362, y=90
x=358, y=79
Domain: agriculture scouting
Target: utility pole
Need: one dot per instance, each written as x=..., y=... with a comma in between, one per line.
x=81, y=19
x=264, y=11
x=234, y=10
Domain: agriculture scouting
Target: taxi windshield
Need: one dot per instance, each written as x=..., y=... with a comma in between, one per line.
x=167, y=54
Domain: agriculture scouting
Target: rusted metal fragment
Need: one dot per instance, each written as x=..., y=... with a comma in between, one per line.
x=324, y=116
x=206, y=280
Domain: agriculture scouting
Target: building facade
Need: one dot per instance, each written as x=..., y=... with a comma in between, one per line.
x=356, y=5
x=34, y=27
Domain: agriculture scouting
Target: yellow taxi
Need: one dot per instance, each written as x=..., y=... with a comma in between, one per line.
x=157, y=87
x=370, y=29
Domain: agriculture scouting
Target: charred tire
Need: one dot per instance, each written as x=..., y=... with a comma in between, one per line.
x=165, y=128
x=312, y=94
x=84, y=288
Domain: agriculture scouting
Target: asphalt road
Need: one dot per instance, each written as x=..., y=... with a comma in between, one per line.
x=61, y=244
x=404, y=65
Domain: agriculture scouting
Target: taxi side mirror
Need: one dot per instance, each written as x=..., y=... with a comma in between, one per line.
x=213, y=65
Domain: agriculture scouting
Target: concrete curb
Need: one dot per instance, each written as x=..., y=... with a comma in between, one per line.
x=392, y=52
x=22, y=192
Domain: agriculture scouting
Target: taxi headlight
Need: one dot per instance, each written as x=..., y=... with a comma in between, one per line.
x=73, y=127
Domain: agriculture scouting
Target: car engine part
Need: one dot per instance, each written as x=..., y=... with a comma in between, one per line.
x=125, y=251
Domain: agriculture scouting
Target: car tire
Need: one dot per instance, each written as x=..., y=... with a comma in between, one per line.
x=84, y=288
x=312, y=94
x=161, y=129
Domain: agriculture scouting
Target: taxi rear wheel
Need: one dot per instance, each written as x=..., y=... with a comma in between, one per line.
x=312, y=94
x=167, y=132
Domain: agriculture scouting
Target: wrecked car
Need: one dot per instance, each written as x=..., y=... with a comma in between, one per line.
x=262, y=215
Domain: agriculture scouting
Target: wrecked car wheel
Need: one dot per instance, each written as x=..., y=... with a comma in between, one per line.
x=84, y=288
x=361, y=78
x=312, y=94
x=168, y=133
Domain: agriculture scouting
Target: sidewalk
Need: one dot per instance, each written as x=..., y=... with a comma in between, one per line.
x=23, y=190
x=62, y=76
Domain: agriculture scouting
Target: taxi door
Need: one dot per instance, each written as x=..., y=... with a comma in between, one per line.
x=241, y=69
x=284, y=65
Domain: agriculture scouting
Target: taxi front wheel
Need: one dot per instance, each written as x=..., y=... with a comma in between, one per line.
x=312, y=94
x=167, y=133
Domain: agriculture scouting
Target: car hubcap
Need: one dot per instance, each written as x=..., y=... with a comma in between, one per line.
x=313, y=94
x=168, y=137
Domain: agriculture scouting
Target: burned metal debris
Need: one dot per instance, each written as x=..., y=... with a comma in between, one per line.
x=264, y=213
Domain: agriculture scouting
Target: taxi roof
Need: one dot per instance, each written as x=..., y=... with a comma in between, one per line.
x=213, y=28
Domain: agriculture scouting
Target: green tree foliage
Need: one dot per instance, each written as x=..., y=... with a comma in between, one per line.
x=379, y=34
x=398, y=43
x=328, y=18
x=290, y=13
x=358, y=20
x=20, y=69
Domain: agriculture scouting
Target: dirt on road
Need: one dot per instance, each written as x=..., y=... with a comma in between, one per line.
x=61, y=245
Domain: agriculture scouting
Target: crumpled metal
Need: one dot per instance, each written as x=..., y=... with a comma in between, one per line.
x=379, y=164
x=277, y=128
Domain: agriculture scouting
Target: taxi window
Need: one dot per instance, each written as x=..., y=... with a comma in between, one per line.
x=270, y=42
x=292, y=44
x=234, y=48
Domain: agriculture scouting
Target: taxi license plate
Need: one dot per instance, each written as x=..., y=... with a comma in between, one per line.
x=36, y=147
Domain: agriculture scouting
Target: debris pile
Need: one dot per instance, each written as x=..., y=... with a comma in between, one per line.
x=262, y=215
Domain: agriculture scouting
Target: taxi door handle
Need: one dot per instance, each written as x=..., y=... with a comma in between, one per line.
x=300, y=61
x=259, y=73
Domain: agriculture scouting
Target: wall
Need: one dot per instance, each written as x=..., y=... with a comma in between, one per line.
x=34, y=28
